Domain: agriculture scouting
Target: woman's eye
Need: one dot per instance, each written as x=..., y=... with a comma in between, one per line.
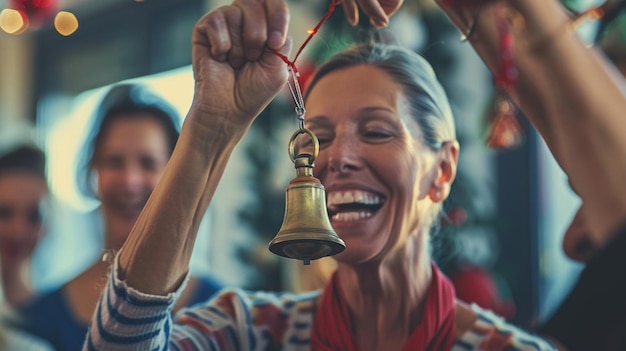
x=306, y=144
x=6, y=212
x=148, y=164
x=111, y=162
x=323, y=140
x=377, y=134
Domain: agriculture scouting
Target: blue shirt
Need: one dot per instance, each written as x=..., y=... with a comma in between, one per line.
x=50, y=316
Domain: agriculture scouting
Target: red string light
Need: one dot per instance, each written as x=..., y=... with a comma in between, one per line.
x=312, y=32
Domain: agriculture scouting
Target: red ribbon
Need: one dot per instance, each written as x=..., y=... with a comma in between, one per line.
x=333, y=330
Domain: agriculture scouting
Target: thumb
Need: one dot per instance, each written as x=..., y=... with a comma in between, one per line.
x=286, y=49
x=276, y=63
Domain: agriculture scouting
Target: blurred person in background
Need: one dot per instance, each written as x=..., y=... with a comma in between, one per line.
x=576, y=98
x=23, y=194
x=126, y=151
x=23, y=197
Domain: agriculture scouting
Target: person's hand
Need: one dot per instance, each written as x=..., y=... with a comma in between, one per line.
x=379, y=11
x=235, y=70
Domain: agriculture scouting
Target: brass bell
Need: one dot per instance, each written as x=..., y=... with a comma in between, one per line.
x=306, y=233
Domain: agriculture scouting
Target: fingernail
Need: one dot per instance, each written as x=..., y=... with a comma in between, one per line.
x=275, y=40
x=378, y=22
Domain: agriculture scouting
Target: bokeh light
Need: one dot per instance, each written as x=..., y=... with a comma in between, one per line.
x=12, y=21
x=65, y=23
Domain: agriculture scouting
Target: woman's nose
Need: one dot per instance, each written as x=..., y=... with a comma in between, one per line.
x=132, y=178
x=343, y=156
x=20, y=225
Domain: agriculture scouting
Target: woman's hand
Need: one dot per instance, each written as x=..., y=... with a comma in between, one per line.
x=379, y=11
x=236, y=75
x=235, y=69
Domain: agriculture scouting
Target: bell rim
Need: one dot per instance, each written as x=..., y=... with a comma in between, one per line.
x=336, y=245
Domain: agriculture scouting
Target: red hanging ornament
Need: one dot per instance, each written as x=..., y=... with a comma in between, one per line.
x=37, y=11
x=504, y=131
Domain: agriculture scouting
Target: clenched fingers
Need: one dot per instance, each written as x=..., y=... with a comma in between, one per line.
x=264, y=24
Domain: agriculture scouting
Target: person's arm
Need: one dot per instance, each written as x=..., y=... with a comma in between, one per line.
x=570, y=95
x=574, y=99
x=236, y=75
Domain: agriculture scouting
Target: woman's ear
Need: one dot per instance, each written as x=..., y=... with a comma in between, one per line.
x=446, y=166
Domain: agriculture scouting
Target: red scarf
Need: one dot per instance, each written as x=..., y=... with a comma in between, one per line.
x=332, y=329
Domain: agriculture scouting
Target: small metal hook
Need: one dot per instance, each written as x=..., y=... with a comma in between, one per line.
x=292, y=144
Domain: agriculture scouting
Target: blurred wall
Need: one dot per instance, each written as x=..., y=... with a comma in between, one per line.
x=16, y=77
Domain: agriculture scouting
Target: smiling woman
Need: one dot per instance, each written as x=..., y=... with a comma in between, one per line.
x=23, y=200
x=126, y=152
x=388, y=134
x=23, y=193
x=388, y=156
x=124, y=156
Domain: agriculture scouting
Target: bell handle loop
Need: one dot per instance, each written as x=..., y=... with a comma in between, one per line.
x=292, y=143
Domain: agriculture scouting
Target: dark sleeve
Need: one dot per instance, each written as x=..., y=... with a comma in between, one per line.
x=50, y=317
x=593, y=316
x=205, y=289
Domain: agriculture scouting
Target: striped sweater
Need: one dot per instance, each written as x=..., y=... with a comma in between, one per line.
x=237, y=320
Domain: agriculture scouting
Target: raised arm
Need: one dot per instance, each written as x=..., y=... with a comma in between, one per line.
x=569, y=93
x=236, y=75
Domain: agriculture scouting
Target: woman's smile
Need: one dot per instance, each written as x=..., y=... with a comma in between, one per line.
x=352, y=205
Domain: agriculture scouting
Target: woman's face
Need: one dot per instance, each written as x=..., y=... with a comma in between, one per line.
x=129, y=161
x=21, y=195
x=375, y=170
